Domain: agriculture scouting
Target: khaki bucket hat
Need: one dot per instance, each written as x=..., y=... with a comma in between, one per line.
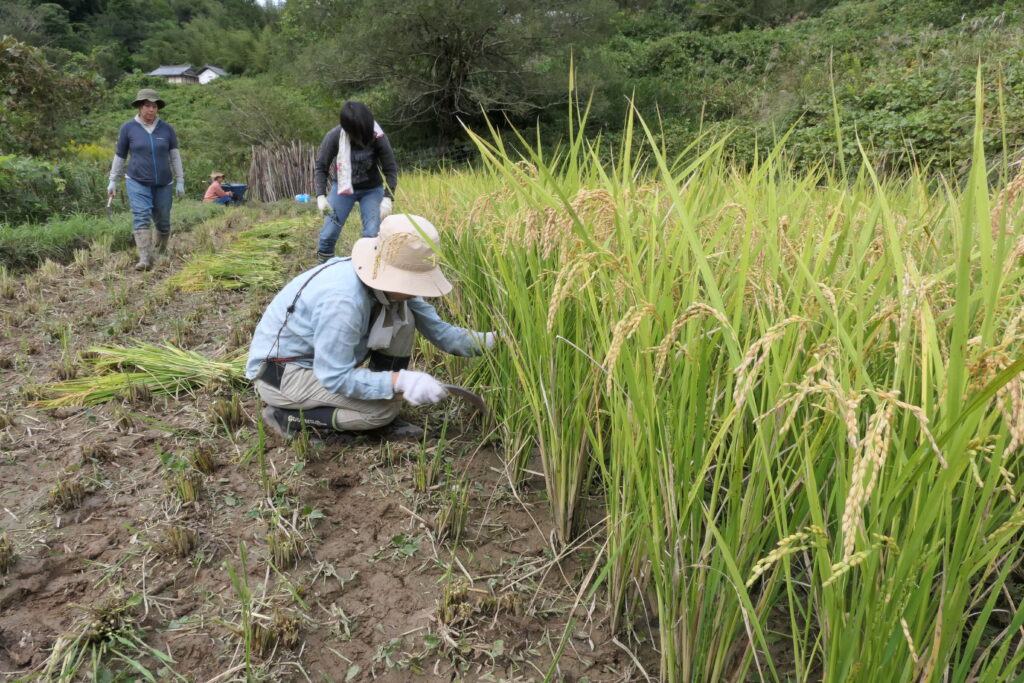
x=148, y=95
x=400, y=258
x=215, y=175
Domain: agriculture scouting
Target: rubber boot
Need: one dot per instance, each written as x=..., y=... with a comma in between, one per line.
x=160, y=246
x=144, y=243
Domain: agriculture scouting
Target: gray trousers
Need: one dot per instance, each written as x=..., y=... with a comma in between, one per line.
x=301, y=390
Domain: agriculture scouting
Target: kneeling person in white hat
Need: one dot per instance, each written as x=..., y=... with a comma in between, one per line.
x=308, y=350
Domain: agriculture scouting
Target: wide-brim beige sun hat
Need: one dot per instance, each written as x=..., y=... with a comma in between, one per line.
x=147, y=95
x=401, y=258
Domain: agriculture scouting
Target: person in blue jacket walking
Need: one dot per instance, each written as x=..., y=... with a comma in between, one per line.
x=149, y=146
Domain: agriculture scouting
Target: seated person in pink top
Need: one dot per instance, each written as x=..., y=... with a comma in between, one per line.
x=215, y=193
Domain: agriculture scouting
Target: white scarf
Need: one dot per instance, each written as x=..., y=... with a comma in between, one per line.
x=344, y=161
x=393, y=316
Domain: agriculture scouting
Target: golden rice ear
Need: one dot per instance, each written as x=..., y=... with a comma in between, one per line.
x=388, y=248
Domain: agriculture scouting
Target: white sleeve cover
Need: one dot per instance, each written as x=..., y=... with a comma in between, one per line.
x=116, y=169
x=179, y=172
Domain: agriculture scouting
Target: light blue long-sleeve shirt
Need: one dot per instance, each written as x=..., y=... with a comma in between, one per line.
x=331, y=322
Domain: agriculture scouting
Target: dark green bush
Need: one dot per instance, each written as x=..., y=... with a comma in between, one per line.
x=33, y=189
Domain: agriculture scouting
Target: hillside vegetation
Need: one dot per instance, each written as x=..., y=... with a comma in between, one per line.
x=893, y=77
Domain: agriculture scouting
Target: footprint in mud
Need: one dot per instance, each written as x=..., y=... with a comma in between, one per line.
x=345, y=479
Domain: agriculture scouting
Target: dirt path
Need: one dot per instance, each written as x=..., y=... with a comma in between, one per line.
x=346, y=573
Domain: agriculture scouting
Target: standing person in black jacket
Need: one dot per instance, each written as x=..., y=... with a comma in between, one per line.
x=358, y=160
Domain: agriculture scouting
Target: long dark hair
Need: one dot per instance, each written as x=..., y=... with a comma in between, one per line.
x=357, y=121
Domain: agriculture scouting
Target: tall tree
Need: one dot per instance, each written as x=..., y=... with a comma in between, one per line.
x=445, y=61
x=35, y=93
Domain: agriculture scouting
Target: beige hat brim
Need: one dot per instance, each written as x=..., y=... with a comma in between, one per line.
x=388, y=278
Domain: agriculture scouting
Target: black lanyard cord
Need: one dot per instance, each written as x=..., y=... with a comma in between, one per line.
x=291, y=309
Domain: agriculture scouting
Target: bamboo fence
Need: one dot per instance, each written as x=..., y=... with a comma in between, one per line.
x=281, y=171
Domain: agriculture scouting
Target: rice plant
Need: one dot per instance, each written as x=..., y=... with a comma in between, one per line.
x=124, y=420
x=177, y=541
x=305, y=446
x=50, y=270
x=285, y=547
x=80, y=260
x=227, y=412
x=8, y=284
x=279, y=629
x=799, y=393
x=450, y=522
x=186, y=485
x=96, y=451
x=67, y=494
x=7, y=555
x=240, y=584
x=108, y=637
x=202, y=459
x=427, y=467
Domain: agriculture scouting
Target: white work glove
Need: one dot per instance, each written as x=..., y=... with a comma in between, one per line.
x=179, y=188
x=111, y=188
x=418, y=387
x=322, y=205
x=385, y=207
x=486, y=339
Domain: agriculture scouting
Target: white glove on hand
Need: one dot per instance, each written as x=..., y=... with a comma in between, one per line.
x=179, y=188
x=485, y=339
x=418, y=387
x=111, y=188
x=322, y=205
x=385, y=207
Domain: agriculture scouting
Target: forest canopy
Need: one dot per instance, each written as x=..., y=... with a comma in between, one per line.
x=899, y=75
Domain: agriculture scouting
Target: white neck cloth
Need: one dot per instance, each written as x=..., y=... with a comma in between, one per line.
x=150, y=127
x=343, y=163
x=393, y=316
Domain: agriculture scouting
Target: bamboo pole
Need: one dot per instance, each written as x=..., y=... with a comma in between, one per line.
x=280, y=171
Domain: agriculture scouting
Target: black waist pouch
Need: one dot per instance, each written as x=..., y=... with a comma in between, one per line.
x=271, y=373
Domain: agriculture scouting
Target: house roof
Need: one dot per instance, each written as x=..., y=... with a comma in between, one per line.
x=174, y=70
x=215, y=69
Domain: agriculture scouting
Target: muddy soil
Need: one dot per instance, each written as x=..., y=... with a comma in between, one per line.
x=327, y=563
